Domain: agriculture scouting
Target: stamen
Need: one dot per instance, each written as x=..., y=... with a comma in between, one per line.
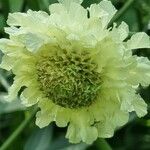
x=69, y=79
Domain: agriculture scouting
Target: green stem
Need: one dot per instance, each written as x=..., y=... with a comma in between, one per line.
x=121, y=11
x=14, y=135
x=102, y=144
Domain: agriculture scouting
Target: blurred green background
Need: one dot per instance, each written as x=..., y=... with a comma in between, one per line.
x=133, y=136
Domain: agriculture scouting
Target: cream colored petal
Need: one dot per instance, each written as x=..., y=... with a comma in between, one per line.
x=80, y=130
x=67, y=2
x=67, y=12
x=14, y=89
x=104, y=10
x=30, y=96
x=96, y=11
x=120, y=118
x=62, y=117
x=47, y=113
x=32, y=41
x=31, y=18
x=111, y=121
x=139, y=40
x=105, y=129
x=126, y=97
x=17, y=19
x=8, y=46
x=8, y=62
x=140, y=106
x=140, y=73
x=57, y=8
x=78, y=13
x=123, y=30
x=73, y=134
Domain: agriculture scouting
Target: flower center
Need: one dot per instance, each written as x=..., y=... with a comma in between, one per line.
x=69, y=79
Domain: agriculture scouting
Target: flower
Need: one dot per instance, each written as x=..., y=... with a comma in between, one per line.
x=81, y=74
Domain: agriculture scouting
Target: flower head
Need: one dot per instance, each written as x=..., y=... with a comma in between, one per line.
x=81, y=74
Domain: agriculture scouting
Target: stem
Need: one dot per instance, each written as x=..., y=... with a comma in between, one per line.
x=121, y=11
x=102, y=144
x=14, y=135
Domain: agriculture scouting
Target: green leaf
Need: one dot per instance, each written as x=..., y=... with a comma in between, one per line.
x=2, y=22
x=102, y=144
x=61, y=143
x=44, y=4
x=4, y=5
x=131, y=18
x=52, y=1
x=15, y=5
x=87, y=3
x=81, y=146
x=33, y=4
x=40, y=139
x=8, y=107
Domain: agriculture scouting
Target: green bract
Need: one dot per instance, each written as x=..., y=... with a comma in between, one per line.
x=80, y=73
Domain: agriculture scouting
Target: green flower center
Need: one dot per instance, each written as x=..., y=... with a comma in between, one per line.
x=69, y=79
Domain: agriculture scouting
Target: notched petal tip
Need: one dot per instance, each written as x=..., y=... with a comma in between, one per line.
x=140, y=106
x=77, y=133
x=105, y=10
x=70, y=1
x=123, y=30
x=139, y=40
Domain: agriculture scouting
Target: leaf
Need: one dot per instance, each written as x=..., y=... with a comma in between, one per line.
x=15, y=5
x=52, y=1
x=8, y=107
x=44, y=4
x=81, y=146
x=2, y=22
x=33, y=4
x=87, y=3
x=40, y=139
x=131, y=18
x=61, y=143
x=4, y=5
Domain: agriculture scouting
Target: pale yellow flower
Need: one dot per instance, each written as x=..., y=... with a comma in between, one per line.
x=81, y=74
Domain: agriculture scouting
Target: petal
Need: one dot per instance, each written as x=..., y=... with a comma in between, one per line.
x=17, y=19
x=57, y=8
x=66, y=13
x=67, y=2
x=120, y=118
x=140, y=106
x=8, y=62
x=31, y=19
x=14, y=89
x=8, y=46
x=32, y=41
x=47, y=113
x=139, y=40
x=62, y=117
x=77, y=132
x=30, y=96
x=73, y=134
x=80, y=127
x=142, y=69
x=105, y=129
x=104, y=10
x=96, y=11
x=123, y=30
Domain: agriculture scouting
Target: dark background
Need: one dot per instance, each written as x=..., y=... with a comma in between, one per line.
x=133, y=136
